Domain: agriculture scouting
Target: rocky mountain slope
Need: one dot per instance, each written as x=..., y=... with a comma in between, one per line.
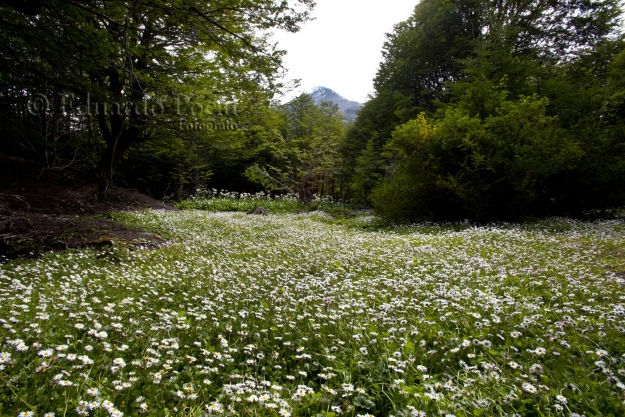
x=347, y=107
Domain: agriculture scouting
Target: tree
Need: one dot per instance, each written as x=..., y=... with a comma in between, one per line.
x=446, y=44
x=420, y=57
x=367, y=134
x=424, y=53
x=482, y=166
x=140, y=68
x=529, y=128
x=310, y=150
x=587, y=96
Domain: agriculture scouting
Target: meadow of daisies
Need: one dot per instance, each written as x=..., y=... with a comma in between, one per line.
x=304, y=315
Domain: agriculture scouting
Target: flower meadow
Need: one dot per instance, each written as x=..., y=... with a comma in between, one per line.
x=298, y=315
x=214, y=200
x=222, y=200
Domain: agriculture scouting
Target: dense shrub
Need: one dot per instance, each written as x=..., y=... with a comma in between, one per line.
x=487, y=157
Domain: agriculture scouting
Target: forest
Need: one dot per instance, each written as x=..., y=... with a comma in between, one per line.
x=485, y=111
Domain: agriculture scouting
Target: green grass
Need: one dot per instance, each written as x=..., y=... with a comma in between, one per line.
x=312, y=315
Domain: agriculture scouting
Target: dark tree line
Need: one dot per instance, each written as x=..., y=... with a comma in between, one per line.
x=89, y=83
x=495, y=110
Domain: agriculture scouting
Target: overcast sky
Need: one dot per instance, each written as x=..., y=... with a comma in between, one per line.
x=341, y=49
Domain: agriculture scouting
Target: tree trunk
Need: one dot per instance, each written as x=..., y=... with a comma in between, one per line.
x=112, y=157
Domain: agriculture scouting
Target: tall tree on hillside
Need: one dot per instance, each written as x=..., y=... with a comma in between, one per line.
x=312, y=133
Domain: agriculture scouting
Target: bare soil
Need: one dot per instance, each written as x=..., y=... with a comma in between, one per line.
x=43, y=210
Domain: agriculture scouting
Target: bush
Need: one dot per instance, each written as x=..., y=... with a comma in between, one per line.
x=486, y=158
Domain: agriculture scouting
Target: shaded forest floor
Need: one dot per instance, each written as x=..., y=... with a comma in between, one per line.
x=43, y=210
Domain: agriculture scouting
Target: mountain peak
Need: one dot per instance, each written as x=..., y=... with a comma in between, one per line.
x=347, y=107
x=321, y=89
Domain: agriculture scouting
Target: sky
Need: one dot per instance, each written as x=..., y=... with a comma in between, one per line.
x=342, y=48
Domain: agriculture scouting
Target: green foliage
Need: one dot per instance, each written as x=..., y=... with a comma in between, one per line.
x=481, y=164
x=421, y=55
x=211, y=200
x=368, y=171
x=532, y=125
x=584, y=95
x=139, y=71
x=370, y=130
x=307, y=161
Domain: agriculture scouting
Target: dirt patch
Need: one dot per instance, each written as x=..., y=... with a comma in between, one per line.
x=43, y=209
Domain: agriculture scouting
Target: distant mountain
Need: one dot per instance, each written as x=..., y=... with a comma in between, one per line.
x=347, y=107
